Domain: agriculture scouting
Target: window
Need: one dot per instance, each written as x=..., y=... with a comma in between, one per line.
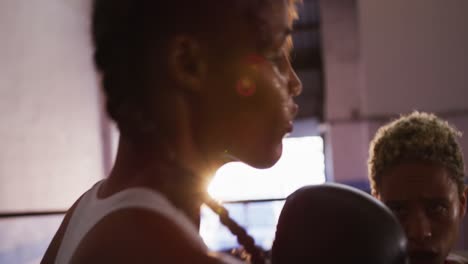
x=255, y=197
x=24, y=240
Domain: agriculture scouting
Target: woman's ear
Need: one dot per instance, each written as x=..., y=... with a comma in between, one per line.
x=187, y=65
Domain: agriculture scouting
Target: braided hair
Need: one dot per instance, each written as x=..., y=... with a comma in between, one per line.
x=126, y=33
x=257, y=255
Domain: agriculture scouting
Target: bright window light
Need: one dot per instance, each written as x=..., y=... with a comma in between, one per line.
x=302, y=163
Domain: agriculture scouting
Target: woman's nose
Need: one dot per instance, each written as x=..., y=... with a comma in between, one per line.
x=418, y=227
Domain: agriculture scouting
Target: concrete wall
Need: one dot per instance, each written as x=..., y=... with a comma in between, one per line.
x=49, y=105
x=415, y=48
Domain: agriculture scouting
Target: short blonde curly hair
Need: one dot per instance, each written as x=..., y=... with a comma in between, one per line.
x=416, y=137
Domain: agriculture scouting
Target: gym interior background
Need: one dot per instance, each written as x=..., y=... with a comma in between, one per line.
x=362, y=63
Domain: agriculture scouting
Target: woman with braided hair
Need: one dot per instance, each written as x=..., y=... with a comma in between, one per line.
x=191, y=85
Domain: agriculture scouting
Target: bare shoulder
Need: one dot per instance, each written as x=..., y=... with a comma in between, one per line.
x=138, y=236
x=51, y=252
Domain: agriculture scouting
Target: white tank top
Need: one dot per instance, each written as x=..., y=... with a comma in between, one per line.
x=90, y=210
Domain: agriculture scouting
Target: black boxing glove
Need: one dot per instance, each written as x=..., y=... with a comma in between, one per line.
x=336, y=224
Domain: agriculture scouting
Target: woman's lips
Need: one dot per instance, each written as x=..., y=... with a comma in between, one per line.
x=289, y=127
x=294, y=110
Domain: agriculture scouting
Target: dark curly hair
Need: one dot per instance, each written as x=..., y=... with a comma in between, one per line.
x=416, y=137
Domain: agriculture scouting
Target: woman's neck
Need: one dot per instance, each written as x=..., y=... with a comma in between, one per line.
x=153, y=167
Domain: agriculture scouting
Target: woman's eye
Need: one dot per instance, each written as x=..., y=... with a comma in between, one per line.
x=278, y=60
x=398, y=210
x=437, y=209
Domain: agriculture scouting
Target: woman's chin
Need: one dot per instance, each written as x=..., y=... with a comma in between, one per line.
x=256, y=158
x=268, y=159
